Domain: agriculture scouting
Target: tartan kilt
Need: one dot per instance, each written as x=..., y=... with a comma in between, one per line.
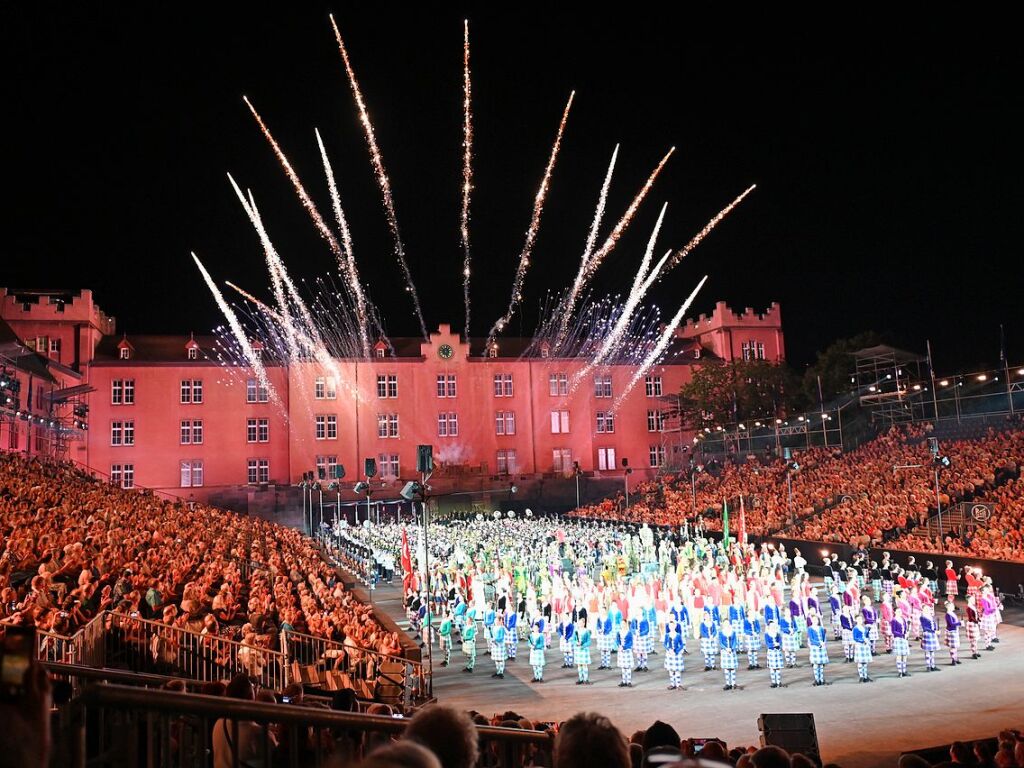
x=900, y=646
x=971, y=630
x=674, y=662
x=498, y=652
x=847, y=635
x=876, y=585
x=988, y=625
x=952, y=587
x=791, y=643
x=444, y=641
x=625, y=659
x=886, y=629
x=872, y=631
x=708, y=646
x=862, y=653
x=753, y=642
x=728, y=660
x=469, y=647
x=801, y=623
x=929, y=641
x=605, y=642
x=888, y=586
x=647, y=643
x=774, y=658
x=511, y=639
x=952, y=638
x=834, y=619
x=537, y=657
x=565, y=646
x=819, y=654
x=582, y=657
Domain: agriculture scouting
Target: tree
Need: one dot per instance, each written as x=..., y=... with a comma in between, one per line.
x=722, y=393
x=835, y=364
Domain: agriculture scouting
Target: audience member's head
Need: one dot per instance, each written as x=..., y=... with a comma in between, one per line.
x=770, y=757
x=240, y=687
x=660, y=734
x=913, y=761
x=401, y=754
x=448, y=732
x=589, y=739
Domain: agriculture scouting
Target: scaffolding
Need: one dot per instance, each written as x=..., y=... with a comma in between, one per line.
x=891, y=384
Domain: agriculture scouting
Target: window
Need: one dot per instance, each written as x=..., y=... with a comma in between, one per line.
x=186, y=432
x=332, y=427
x=258, y=471
x=122, y=392
x=559, y=422
x=197, y=432
x=192, y=391
x=191, y=473
x=54, y=346
x=252, y=431
x=127, y=475
x=745, y=350
x=606, y=459
x=380, y=353
x=325, y=467
x=193, y=354
x=122, y=432
x=492, y=351
x=561, y=459
x=255, y=392
x=446, y=385
x=603, y=386
x=507, y=461
x=320, y=388
x=655, y=420
x=388, y=463
x=652, y=386
x=263, y=430
x=752, y=350
x=503, y=385
x=129, y=432
x=760, y=351
x=326, y=427
x=657, y=455
x=558, y=384
x=387, y=425
x=115, y=474
x=387, y=385
x=126, y=353
x=605, y=422
x=447, y=425
x=505, y=423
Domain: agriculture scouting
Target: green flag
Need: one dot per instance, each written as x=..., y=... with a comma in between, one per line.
x=725, y=522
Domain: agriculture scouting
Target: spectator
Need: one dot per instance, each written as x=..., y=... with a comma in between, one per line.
x=589, y=739
x=447, y=732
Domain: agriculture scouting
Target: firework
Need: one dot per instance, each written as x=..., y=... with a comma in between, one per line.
x=682, y=252
x=467, y=170
x=531, y=231
x=382, y=178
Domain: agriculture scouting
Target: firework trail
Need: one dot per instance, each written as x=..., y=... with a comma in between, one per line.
x=659, y=349
x=570, y=305
x=682, y=252
x=531, y=231
x=467, y=169
x=236, y=327
x=349, y=271
x=591, y=264
x=642, y=282
x=382, y=178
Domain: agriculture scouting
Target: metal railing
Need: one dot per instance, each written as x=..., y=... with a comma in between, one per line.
x=114, y=725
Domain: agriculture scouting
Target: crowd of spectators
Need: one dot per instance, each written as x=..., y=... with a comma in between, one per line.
x=873, y=494
x=72, y=546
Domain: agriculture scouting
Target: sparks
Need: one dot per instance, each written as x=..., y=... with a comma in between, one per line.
x=682, y=252
x=467, y=170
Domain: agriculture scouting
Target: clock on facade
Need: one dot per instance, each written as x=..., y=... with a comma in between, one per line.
x=446, y=351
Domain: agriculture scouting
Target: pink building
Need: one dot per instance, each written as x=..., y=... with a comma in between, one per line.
x=165, y=413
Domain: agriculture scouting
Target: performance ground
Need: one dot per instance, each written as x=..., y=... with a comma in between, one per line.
x=858, y=725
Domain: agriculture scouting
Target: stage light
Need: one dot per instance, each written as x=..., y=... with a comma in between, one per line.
x=800, y=418
x=872, y=388
x=1021, y=372
x=944, y=383
x=982, y=377
x=917, y=387
x=741, y=426
x=778, y=421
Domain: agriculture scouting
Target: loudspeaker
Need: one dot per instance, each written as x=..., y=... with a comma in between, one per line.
x=425, y=458
x=370, y=467
x=793, y=732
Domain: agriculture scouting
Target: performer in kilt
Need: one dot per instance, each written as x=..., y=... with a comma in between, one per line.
x=469, y=644
x=952, y=636
x=870, y=622
x=773, y=650
x=885, y=615
x=674, y=643
x=790, y=638
x=876, y=581
x=728, y=648
x=989, y=608
x=816, y=639
x=752, y=632
x=625, y=655
x=952, y=581
x=444, y=638
x=537, y=661
x=708, y=640
x=862, y=648
x=605, y=639
x=498, y=646
x=900, y=644
x=929, y=638
x=644, y=641
x=972, y=626
x=846, y=630
x=582, y=656
x=511, y=633
x=566, y=640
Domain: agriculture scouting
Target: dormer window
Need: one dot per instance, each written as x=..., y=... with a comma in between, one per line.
x=126, y=353
x=193, y=353
x=380, y=353
x=192, y=349
x=545, y=350
x=380, y=349
x=492, y=351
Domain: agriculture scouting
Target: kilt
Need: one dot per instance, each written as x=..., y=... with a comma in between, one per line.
x=828, y=583
x=469, y=647
x=886, y=629
x=847, y=635
x=582, y=657
x=753, y=642
x=862, y=653
x=952, y=587
x=565, y=646
x=625, y=660
x=900, y=646
x=819, y=654
x=537, y=657
x=876, y=585
x=708, y=646
x=929, y=641
x=605, y=642
x=674, y=661
x=774, y=658
x=933, y=585
x=952, y=638
x=873, y=631
x=728, y=658
x=988, y=625
x=834, y=619
x=791, y=643
x=511, y=639
x=498, y=652
x=887, y=586
x=646, y=643
x=971, y=630
x=801, y=623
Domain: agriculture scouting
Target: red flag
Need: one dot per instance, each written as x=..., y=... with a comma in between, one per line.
x=743, y=522
x=406, y=555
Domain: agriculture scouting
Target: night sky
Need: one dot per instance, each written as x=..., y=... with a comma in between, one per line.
x=887, y=158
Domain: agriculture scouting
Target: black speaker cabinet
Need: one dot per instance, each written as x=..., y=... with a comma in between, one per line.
x=793, y=732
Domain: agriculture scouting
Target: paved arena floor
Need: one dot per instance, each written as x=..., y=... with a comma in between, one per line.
x=858, y=725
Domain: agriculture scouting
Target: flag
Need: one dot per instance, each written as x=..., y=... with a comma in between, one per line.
x=725, y=522
x=743, y=523
x=406, y=555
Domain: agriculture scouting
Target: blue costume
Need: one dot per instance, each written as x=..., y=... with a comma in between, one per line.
x=862, y=652
x=583, y=656
x=752, y=634
x=819, y=653
x=626, y=658
x=773, y=649
x=729, y=647
x=674, y=643
x=709, y=641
